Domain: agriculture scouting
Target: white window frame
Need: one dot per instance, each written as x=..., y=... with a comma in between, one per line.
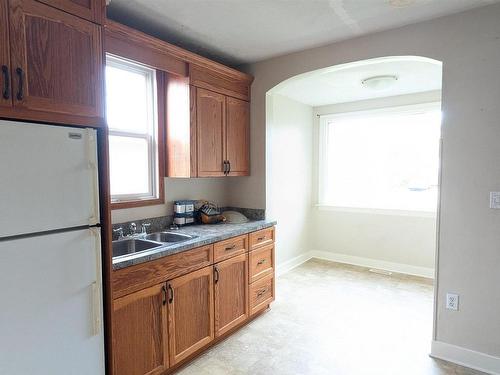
x=324, y=119
x=151, y=136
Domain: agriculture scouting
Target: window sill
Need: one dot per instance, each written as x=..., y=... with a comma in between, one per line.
x=377, y=211
x=138, y=203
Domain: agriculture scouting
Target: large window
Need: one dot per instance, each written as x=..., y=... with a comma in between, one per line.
x=386, y=159
x=132, y=117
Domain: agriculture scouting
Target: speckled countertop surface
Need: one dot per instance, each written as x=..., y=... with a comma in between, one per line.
x=205, y=234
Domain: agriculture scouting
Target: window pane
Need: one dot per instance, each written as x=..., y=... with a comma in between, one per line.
x=128, y=99
x=129, y=166
x=382, y=161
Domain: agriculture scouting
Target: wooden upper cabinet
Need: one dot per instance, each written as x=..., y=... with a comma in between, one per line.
x=5, y=78
x=210, y=124
x=238, y=136
x=190, y=313
x=235, y=84
x=140, y=344
x=57, y=68
x=92, y=10
x=231, y=293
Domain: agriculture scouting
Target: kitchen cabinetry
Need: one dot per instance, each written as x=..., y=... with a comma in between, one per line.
x=169, y=309
x=56, y=65
x=231, y=293
x=140, y=342
x=190, y=313
x=91, y=10
x=238, y=136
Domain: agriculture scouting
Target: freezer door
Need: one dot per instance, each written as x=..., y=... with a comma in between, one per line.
x=48, y=178
x=51, y=314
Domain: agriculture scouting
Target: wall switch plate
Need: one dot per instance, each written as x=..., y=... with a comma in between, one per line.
x=495, y=199
x=452, y=301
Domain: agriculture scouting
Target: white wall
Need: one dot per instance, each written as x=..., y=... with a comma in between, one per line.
x=468, y=44
x=289, y=178
x=407, y=240
x=213, y=189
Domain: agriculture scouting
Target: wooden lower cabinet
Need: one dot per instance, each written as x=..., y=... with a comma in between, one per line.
x=140, y=332
x=190, y=313
x=231, y=293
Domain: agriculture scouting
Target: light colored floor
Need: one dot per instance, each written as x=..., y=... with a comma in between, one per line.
x=334, y=319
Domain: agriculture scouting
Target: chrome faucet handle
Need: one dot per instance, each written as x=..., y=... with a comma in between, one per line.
x=133, y=228
x=120, y=232
x=144, y=227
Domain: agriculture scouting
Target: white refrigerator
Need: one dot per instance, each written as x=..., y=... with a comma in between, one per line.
x=50, y=251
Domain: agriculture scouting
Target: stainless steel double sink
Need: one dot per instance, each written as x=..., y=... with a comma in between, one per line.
x=130, y=247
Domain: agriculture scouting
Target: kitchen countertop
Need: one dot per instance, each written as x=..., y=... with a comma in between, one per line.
x=205, y=234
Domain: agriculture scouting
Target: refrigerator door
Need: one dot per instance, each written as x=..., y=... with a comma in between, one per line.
x=48, y=178
x=51, y=314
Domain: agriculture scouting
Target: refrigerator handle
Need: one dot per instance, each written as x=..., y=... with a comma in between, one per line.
x=96, y=285
x=94, y=183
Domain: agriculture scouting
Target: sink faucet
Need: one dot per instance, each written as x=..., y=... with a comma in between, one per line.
x=120, y=233
x=133, y=228
x=144, y=228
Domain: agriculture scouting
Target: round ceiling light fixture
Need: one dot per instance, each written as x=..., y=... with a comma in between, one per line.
x=379, y=83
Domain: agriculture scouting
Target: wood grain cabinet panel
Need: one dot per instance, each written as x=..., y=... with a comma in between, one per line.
x=5, y=73
x=190, y=313
x=140, y=343
x=261, y=237
x=56, y=60
x=231, y=293
x=231, y=247
x=92, y=10
x=210, y=123
x=238, y=136
x=261, y=294
x=261, y=262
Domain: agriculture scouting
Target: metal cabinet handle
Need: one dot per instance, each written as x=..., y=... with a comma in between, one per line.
x=6, y=82
x=229, y=165
x=261, y=292
x=230, y=248
x=260, y=238
x=224, y=167
x=262, y=261
x=164, y=294
x=216, y=275
x=171, y=290
x=20, y=95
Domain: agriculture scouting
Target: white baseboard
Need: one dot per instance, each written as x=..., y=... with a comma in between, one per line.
x=354, y=260
x=290, y=264
x=374, y=263
x=466, y=357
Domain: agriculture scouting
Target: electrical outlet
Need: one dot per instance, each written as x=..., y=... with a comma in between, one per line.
x=452, y=301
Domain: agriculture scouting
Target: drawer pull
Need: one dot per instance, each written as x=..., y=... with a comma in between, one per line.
x=261, y=238
x=216, y=275
x=260, y=262
x=230, y=248
x=261, y=292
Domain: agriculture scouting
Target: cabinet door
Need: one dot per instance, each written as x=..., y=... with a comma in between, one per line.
x=56, y=60
x=238, y=136
x=140, y=332
x=92, y=10
x=231, y=293
x=190, y=313
x=210, y=124
x=5, y=94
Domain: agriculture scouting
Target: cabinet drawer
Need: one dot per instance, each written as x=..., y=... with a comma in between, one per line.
x=131, y=279
x=261, y=262
x=230, y=248
x=261, y=238
x=261, y=294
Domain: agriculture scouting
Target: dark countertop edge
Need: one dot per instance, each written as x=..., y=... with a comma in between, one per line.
x=199, y=241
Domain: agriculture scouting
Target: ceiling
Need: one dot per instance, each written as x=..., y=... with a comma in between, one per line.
x=244, y=31
x=342, y=83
